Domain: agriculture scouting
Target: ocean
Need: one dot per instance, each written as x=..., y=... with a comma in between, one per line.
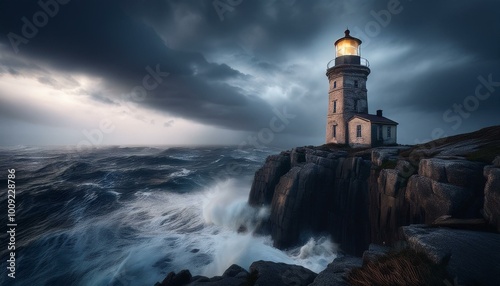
x=130, y=215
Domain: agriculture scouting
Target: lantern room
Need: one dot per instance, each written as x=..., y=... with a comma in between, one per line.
x=347, y=46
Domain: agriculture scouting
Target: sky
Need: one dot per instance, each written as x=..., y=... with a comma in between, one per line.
x=238, y=72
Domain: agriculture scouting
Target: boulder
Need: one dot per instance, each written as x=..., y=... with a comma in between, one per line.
x=405, y=169
x=337, y=271
x=430, y=199
x=267, y=177
x=492, y=196
x=473, y=257
x=280, y=274
x=235, y=271
x=496, y=161
x=382, y=155
x=179, y=279
x=460, y=173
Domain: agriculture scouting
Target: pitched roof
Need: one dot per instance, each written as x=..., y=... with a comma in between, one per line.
x=374, y=119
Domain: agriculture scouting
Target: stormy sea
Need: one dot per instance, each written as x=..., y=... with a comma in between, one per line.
x=129, y=215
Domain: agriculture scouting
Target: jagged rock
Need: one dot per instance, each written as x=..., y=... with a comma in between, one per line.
x=335, y=190
x=430, y=199
x=460, y=173
x=297, y=203
x=496, y=161
x=234, y=271
x=382, y=155
x=278, y=274
x=267, y=177
x=297, y=156
x=474, y=257
x=389, y=182
x=321, y=192
x=492, y=196
x=321, y=161
x=405, y=169
x=199, y=279
x=233, y=276
x=221, y=281
x=180, y=279
x=336, y=272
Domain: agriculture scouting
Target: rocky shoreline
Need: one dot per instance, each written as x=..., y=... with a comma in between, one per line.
x=440, y=199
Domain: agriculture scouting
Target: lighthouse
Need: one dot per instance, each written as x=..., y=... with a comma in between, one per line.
x=348, y=120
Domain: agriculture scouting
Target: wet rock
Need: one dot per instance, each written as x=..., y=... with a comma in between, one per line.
x=280, y=274
x=234, y=271
x=383, y=155
x=337, y=271
x=460, y=173
x=492, y=196
x=179, y=279
x=267, y=177
x=473, y=257
x=430, y=200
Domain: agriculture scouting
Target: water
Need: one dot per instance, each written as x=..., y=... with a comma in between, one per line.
x=128, y=216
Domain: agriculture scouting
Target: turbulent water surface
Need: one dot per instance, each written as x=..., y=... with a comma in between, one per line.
x=128, y=216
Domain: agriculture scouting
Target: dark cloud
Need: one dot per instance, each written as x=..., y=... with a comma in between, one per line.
x=424, y=59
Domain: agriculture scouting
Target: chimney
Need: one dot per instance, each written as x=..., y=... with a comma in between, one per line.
x=379, y=112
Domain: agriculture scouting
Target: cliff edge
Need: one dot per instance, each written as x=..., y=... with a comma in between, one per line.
x=364, y=196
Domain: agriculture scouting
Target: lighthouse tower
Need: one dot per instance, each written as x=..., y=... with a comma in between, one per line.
x=347, y=75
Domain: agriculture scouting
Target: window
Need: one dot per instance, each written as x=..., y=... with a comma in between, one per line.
x=388, y=131
x=334, y=84
x=358, y=131
x=334, y=106
x=356, y=84
x=334, y=131
x=380, y=137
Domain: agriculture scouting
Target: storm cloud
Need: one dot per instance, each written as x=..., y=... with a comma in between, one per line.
x=232, y=64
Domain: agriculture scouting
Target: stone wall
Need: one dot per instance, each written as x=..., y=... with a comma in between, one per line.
x=350, y=99
x=366, y=133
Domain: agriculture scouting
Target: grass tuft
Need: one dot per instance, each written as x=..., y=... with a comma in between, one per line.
x=404, y=267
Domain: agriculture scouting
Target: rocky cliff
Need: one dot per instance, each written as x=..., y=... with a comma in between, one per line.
x=315, y=190
x=364, y=196
x=439, y=202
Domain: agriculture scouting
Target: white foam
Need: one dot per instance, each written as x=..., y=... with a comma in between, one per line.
x=226, y=206
x=158, y=232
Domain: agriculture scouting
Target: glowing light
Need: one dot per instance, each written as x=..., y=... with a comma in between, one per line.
x=347, y=47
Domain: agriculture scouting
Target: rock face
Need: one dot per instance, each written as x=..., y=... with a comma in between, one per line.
x=267, y=177
x=473, y=256
x=319, y=192
x=363, y=197
x=492, y=194
x=261, y=273
x=446, y=177
x=271, y=273
x=336, y=272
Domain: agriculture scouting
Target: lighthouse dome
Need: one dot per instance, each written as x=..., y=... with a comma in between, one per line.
x=347, y=46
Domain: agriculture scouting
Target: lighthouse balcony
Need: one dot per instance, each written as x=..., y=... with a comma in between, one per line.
x=348, y=60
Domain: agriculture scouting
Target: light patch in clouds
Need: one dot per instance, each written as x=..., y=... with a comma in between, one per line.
x=70, y=119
